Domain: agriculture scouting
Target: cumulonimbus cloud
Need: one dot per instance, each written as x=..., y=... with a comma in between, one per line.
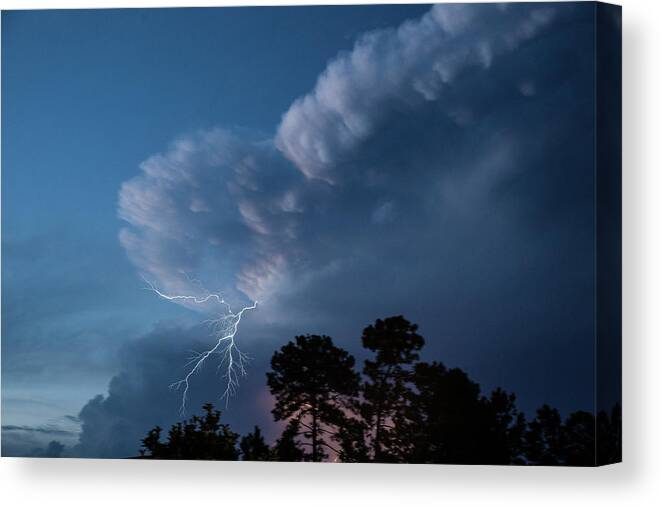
x=267, y=215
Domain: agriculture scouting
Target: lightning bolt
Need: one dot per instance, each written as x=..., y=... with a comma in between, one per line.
x=224, y=329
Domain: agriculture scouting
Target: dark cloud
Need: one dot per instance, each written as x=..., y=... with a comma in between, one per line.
x=54, y=450
x=139, y=396
x=29, y=441
x=25, y=447
x=40, y=430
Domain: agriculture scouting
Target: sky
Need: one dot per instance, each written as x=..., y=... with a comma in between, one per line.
x=338, y=164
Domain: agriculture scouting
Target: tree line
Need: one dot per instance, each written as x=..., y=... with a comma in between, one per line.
x=397, y=409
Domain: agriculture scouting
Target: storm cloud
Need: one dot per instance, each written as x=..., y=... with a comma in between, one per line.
x=138, y=397
x=404, y=140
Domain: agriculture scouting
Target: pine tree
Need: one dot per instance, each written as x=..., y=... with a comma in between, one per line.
x=312, y=380
x=288, y=448
x=386, y=388
x=253, y=446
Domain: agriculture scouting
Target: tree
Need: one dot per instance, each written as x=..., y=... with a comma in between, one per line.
x=200, y=438
x=450, y=422
x=151, y=444
x=550, y=441
x=312, y=380
x=578, y=440
x=385, y=390
x=253, y=446
x=444, y=413
x=543, y=439
x=287, y=448
x=506, y=427
x=353, y=442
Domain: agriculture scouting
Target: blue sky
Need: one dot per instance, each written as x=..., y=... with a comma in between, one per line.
x=445, y=149
x=123, y=83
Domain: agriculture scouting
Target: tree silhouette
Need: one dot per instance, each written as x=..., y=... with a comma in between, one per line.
x=543, y=439
x=354, y=444
x=506, y=426
x=312, y=381
x=385, y=389
x=200, y=438
x=399, y=410
x=445, y=414
x=550, y=441
x=253, y=446
x=451, y=422
x=287, y=448
x=578, y=440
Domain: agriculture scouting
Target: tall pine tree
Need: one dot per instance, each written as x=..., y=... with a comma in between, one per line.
x=312, y=380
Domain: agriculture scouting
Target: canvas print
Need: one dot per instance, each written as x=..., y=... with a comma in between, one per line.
x=362, y=234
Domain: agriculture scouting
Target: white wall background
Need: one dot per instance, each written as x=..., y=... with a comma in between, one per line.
x=637, y=481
